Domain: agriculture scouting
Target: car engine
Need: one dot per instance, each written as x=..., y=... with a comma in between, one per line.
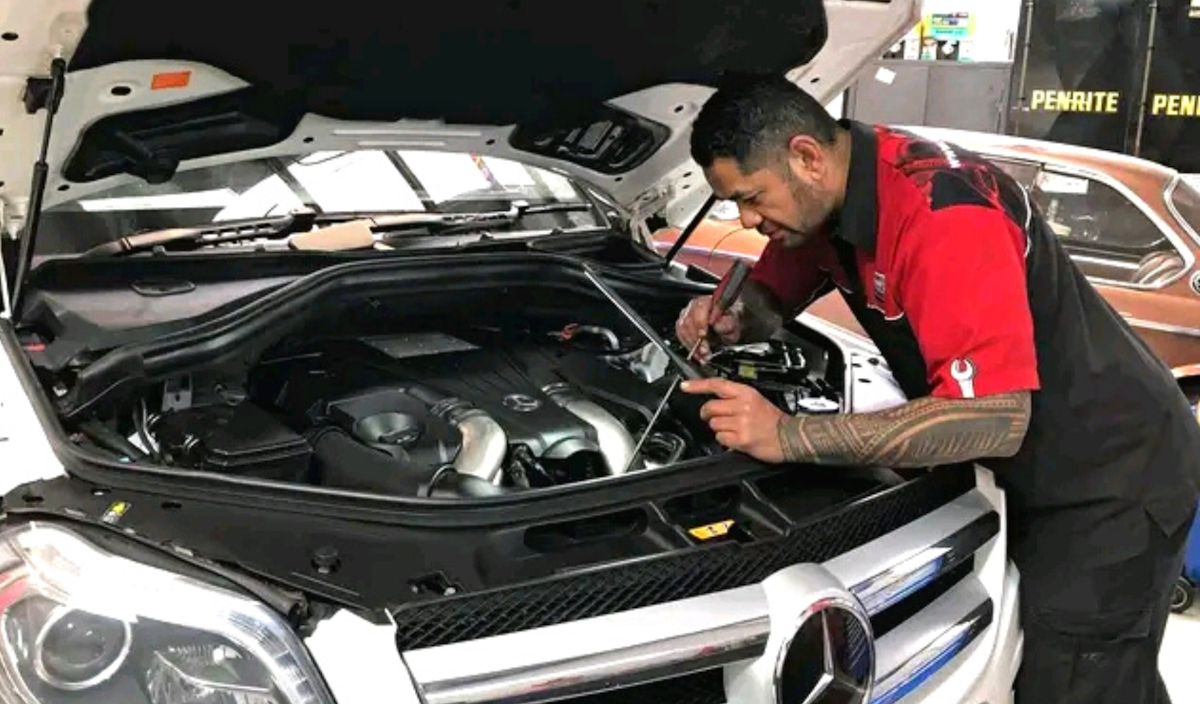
x=464, y=413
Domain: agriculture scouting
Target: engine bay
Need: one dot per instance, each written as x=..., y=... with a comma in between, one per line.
x=472, y=376
x=455, y=412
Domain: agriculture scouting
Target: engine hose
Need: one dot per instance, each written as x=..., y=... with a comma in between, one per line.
x=670, y=444
x=110, y=439
x=616, y=443
x=484, y=442
x=139, y=424
x=438, y=476
x=524, y=460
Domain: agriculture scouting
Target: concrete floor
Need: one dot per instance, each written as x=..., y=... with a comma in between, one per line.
x=1179, y=660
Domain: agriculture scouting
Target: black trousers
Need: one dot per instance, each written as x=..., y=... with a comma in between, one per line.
x=1095, y=597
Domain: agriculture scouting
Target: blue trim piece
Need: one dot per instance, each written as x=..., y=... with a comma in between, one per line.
x=920, y=580
x=921, y=676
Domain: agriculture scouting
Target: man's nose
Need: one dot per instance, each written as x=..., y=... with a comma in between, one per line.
x=749, y=217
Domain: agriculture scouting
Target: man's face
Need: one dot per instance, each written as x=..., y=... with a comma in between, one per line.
x=785, y=201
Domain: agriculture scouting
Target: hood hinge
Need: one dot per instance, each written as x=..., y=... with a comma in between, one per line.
x=650, y=203
x=39, y=93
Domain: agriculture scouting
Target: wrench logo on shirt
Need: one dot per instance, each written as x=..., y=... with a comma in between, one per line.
x=963, y=371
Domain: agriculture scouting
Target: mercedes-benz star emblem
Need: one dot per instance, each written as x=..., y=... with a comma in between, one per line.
x=521, y=403
x=830, y=658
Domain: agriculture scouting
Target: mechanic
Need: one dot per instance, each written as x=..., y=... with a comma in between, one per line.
x=1005, y=351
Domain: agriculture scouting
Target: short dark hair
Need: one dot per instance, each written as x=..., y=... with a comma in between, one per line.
x=752, y=114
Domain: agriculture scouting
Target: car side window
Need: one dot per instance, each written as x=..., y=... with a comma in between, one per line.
x=1107, y=235
x=1023, y=172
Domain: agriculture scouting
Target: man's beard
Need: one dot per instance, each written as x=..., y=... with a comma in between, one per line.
x=813, y=209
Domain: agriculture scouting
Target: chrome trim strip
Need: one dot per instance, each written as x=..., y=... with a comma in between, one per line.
x=1103, y=262
x=689, y=635
x=639, y=664
x=897, y=556
x=916, y=650
x=1169, y=199
x=911, y=570
x=596, y=654
x=1161, y=327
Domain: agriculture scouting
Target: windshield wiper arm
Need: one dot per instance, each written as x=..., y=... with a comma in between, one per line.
x=466, y=222
x=301, y=224
x=182, y=238
x=358, y=233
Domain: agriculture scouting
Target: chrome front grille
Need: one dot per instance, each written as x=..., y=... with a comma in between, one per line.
x=612, y=589
x=615, y=657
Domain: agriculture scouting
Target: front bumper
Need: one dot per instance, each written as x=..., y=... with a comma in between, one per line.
x=961, y=646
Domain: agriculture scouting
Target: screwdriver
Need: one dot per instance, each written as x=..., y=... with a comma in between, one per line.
x=723, y=298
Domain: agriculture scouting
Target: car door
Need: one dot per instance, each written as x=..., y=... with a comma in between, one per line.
x=1136, y=255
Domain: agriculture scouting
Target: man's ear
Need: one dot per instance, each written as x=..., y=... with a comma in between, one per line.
x=806, y=154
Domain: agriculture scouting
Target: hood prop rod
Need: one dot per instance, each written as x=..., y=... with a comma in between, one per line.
x=684, y=365
x=41, y=171
x=687, y=231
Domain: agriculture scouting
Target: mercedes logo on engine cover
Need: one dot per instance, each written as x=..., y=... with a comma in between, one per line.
x=830, y=658
x=521, y=403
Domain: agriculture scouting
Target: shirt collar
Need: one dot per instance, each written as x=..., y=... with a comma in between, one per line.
x=858, y=221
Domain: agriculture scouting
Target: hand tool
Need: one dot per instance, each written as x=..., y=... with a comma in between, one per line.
x=723, y=298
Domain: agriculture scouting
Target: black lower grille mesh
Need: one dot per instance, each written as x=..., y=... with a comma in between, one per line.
x=706, y=687
x=676, y=576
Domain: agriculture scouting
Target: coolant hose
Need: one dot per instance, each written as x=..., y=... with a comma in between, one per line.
x=484, y=442
x=616, y=444
x=342, y=462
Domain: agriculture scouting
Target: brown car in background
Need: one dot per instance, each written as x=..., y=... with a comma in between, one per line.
x=1129, y=224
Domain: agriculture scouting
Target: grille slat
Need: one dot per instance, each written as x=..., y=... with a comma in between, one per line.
x=706, y=687
x=672, y=577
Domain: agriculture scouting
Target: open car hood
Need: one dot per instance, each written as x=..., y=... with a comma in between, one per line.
x=603, y=93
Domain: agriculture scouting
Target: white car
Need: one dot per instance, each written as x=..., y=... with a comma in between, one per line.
x=332, y=340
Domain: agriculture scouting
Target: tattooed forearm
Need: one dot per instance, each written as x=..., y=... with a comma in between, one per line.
x=759, y=312
x=925, y=432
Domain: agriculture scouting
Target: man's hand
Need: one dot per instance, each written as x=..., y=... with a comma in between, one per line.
x=692, y=325
x=921, y=433
x=742, y=419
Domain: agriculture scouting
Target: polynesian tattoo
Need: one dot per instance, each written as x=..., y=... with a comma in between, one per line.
x=922, y=433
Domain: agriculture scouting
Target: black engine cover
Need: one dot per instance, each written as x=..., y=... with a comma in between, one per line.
x=508, y=386
x=321, y=384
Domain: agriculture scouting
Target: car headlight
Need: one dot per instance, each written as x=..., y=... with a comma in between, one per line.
x=78, y=624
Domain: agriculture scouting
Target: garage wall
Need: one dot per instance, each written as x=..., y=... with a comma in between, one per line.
x=996, y=23
x=967, y=96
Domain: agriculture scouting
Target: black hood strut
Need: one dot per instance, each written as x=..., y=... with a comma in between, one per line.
x=39, y=93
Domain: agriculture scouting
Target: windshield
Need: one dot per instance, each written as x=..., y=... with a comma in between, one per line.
x=369, y=181
x=1185, y=199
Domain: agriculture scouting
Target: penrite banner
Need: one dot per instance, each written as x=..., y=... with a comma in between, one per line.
x=1120, y=75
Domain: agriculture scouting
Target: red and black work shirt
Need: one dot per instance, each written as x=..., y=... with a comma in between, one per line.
x=966, y=291
x=936, y=246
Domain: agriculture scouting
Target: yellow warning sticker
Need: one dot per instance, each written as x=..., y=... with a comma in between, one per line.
x=747, y=371
x=115, y=511
x=712, y=530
